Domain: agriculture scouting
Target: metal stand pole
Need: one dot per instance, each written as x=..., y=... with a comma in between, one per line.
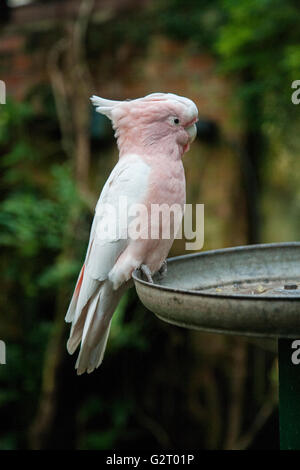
x=289, y=394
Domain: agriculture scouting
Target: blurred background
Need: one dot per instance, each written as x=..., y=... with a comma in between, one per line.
x=160, y=386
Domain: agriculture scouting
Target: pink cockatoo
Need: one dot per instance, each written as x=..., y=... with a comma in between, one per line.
x=152, y=134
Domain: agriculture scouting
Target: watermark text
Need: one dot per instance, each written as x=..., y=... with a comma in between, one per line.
x=2, y=352
x=2, y=92
x=123, y=220
x=296, y=94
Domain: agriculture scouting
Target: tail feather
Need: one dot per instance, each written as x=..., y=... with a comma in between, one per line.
x=91, y=326
x=85, y=291
x=71, y=310
x=89, y=359
x=76, y=331
x=97, y=354
x=73, y=304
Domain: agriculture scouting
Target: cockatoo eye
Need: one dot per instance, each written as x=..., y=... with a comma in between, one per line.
x=176, y=120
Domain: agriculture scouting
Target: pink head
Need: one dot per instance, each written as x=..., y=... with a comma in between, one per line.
x=160, y=123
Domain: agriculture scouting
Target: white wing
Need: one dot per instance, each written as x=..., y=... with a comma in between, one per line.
x=129, y=180
x=127, y=184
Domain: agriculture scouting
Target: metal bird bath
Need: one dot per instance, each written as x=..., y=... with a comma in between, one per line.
x=248, y=290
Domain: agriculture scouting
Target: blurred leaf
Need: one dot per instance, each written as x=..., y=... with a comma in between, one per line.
x=59, y=272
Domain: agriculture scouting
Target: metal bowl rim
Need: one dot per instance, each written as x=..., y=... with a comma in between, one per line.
x=217, y=252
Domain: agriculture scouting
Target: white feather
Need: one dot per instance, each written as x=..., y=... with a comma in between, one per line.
x=104, y=106
x=122, y=182
x=91, y=311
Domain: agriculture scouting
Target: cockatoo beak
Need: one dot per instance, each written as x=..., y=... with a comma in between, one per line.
x=192, y=132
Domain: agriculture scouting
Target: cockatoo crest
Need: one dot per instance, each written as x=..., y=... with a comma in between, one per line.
x=163, y=119
x=110, y=108
x=104, y=106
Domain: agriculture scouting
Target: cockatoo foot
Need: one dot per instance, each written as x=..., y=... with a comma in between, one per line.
x=163, y=270
x=146, y=271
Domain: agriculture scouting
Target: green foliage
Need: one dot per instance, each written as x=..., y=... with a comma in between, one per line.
x=20, y=381
x=124, y=333
x=13, y=117
x=192, y=20
x=260, y=40
x=119, y=412
x=252, y=28
x=33, y=214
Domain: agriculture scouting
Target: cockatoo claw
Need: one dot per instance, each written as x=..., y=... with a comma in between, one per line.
x=163, y=270
x=146, y=271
